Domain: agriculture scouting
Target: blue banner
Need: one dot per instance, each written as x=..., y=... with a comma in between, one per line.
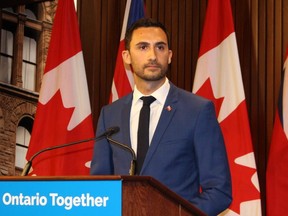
x=76, y=197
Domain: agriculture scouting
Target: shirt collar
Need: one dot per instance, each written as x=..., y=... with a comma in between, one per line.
x=160, y=94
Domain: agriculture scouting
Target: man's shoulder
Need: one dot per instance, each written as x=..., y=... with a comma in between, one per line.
x=187, y=95
x=119, y=102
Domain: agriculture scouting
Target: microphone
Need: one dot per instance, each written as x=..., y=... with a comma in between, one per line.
x=109, y=132
x=127, y=148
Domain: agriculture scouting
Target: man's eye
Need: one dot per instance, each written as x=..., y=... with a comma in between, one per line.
x=143, y=47
x=160, y=47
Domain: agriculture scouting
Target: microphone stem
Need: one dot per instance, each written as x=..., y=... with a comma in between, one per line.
x=132, y=168
x=133, y=161
x=29, y=163
x=106, y=134
x=26, y=168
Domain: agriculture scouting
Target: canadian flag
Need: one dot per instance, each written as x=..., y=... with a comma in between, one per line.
x=277, y=168
x=123, y=80
x=63, y=113
x=218, y=78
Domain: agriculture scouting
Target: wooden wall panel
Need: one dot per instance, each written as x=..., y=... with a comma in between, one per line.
x=261, y=28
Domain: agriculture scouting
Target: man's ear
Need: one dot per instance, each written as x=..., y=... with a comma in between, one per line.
x=170, y=56
x=126, y=57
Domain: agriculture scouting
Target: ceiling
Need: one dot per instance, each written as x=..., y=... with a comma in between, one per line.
x=12, y=3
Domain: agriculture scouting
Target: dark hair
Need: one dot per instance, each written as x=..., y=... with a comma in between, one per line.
x=144, y=22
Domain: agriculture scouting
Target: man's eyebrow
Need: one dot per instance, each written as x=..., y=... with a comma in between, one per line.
x=161, y=43
x=142, y=43
x=146, y=43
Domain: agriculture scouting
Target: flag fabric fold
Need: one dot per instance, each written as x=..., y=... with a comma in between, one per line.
x=218, y=78
x=123, y=81
x=63, y=112
x=277, y=169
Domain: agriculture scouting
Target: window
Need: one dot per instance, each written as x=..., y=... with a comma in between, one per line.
x=12, y=31
x=23, y=135
x=29, y=63
x=6, y=55
x=22, y=143
x=29, y=55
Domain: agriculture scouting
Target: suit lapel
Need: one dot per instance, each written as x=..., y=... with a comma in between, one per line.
x=167, y=114
x=125, y=124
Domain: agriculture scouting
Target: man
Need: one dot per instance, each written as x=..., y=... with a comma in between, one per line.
x=186, y=151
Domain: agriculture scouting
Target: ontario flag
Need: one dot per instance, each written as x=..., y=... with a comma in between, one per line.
x=277, y=168
x=123, y=80
x=218, y=78
x=63, y=112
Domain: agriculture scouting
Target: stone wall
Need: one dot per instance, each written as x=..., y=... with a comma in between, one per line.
x=15, y=104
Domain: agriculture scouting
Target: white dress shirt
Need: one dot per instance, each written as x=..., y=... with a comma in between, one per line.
x=155, y=111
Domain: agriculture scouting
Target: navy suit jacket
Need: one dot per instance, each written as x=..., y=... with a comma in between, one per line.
x=187, y=151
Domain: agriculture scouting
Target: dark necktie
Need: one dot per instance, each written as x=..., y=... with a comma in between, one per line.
x=143, y=131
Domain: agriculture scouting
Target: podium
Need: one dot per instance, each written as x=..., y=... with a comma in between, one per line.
x=74, y=195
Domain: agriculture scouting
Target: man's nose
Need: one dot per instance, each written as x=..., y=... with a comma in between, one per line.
x=152, y=54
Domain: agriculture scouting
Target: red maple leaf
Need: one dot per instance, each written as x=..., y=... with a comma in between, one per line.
x=238, y=142
x=236, y=132
x=207, y=92
x=50, y=129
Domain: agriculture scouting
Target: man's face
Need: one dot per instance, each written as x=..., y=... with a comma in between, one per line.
x=149, y=54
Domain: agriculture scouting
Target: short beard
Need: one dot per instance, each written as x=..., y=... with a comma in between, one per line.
x=152, y=76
